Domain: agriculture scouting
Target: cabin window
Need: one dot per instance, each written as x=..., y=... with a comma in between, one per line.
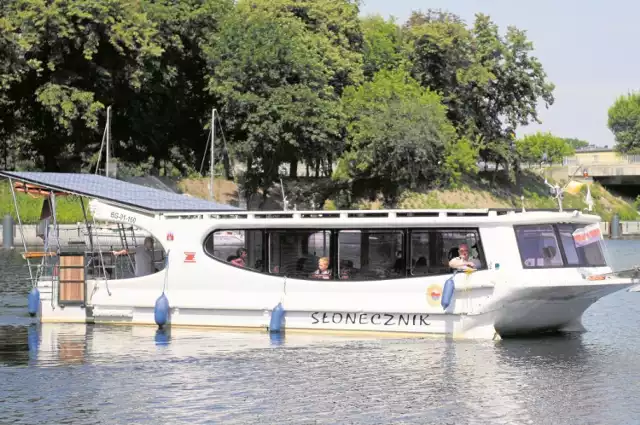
x=349, y=254
x=370, y=255
x=241, y=248
x=538, y=245
x=297, y=253
x=420, y=252
x=431, y=250
x=589, y=255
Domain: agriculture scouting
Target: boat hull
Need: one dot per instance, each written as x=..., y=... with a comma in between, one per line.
x=478, y=312
x=550, y=309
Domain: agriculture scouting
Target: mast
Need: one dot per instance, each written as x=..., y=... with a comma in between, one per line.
x=213, y=149
x=108, y=141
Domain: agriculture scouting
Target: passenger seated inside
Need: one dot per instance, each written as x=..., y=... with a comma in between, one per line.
x=420, y=266
x=548, y=255
x=463, y=261
x=346, y=269
x=323, y=271
x=398, y=266
x=241, y=258
x=143, y=257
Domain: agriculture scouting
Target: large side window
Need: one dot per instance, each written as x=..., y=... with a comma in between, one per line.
x=587, y=255
x=555, y=246
x=370, y=254
x=240, y=248
x=538, y=246
x=447, y=245
x=303, y=254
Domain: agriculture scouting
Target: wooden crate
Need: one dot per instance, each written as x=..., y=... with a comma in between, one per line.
x=72, y=279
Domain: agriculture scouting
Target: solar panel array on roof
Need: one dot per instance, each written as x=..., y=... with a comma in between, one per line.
x=116, y=191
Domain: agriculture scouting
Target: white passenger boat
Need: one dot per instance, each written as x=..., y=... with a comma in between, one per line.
x=330, y=271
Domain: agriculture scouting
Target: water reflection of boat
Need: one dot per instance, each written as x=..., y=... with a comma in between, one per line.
x=383, y=271
x=478, y=372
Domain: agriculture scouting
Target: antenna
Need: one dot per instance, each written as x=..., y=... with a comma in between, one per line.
x=522, y=200
x=285, y=202
x=557, y=192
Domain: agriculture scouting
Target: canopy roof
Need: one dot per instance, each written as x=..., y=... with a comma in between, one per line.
x=116, y=192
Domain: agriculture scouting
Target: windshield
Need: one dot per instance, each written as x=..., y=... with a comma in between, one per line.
x=560, y=245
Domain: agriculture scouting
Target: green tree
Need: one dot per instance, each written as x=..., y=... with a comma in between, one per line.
x=624, y=123
x=273, y=77
x=490, y=83
x=534, y=148
x=70, y=58
x=383, y=45
x=576, y=143
x=398, y=135
x=168, y=118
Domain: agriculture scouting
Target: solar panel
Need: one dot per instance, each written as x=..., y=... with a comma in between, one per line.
x=116, y=191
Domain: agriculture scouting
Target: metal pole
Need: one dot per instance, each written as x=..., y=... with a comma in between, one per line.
x=106, y=170
x=7, y=232
x=213, y=150
x=24, y=241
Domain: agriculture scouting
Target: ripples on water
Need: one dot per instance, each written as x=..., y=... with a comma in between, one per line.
x=81, y=374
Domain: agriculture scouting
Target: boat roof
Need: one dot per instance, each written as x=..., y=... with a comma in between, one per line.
x=117, y=192
x=391, y=218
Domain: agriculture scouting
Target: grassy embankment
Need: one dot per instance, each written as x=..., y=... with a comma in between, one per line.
x=476, y=193
x=473, y=193
x=30, y=207
x=479, y=194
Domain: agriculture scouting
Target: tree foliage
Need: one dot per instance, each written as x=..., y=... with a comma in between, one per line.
x=543, y=147
x=295, y=82
x=576, y=143
x=70, y=59
x=274, y=79
x=490, y=83
x=383, y=45
x=398, y=134
x=624, y=123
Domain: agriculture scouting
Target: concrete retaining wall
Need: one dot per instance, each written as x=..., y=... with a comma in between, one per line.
x=69, y=234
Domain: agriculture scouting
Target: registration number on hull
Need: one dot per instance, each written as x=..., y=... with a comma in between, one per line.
x=123, y=217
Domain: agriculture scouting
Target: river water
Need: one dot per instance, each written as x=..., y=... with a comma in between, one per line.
x=78, y=374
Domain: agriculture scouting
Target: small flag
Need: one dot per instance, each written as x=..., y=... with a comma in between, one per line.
x=587, y=235
x=588, y=199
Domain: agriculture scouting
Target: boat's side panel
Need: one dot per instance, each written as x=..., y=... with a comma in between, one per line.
x=203, y=291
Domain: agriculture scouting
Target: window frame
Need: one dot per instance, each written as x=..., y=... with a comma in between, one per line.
x=220, y=260
x=563, y=255
x=403, y=244
x=433, y=230
x=310, y=230
x=406, y=233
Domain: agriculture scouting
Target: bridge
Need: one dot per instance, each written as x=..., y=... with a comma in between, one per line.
x=618, y=172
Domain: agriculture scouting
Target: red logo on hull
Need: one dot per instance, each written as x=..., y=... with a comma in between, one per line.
x=189, y=257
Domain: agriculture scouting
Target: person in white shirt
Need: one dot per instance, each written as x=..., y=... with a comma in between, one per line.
x=463, y=261
x=143, y=256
